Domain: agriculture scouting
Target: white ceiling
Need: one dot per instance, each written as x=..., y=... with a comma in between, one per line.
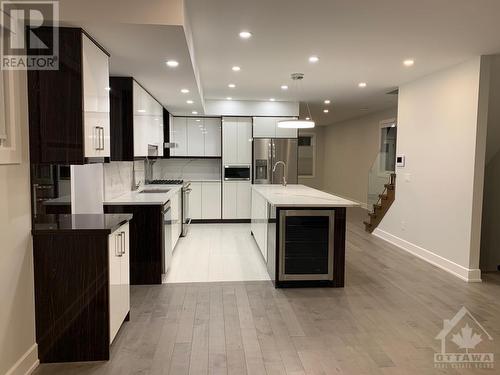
x=140, y=51
x=356, y=40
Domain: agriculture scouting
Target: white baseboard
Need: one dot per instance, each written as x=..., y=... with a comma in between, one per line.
x=27, y=363
x=466, y=274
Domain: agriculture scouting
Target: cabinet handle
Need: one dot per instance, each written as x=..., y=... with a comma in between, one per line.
x=97, y=142
x=101, y=138
x=124, y=242
x=117, y=252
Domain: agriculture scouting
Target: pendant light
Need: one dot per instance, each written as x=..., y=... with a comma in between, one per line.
x=298, y=123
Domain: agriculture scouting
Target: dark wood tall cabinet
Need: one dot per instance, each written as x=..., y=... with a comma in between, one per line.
x=69, y=107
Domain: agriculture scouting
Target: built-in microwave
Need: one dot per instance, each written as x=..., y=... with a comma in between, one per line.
x=237, y=173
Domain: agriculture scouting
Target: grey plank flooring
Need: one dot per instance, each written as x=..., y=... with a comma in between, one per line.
x=383, y=322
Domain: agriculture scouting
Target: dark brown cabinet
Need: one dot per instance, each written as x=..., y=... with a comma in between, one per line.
x=69, y=107
x=136, y=121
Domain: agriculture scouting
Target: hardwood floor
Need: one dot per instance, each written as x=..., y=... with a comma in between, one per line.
x=383, y=322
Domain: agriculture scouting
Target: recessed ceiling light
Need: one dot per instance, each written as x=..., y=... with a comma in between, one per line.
x=313, y=59
x=172, y=63
x=327, y=101
x=409, y=62
x=284, y=87
x=194, y=112
x=308, y=118
x=362, y=84
x=272, y=99
x=236, y=68
x=189, y=102
x=245, y=35
x=229, y=98
x=326, y=111
x=141, y=110
x=185, y=91
x=231, y=85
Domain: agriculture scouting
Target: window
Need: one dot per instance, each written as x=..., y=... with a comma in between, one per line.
x=12, y=97
x=307, y=155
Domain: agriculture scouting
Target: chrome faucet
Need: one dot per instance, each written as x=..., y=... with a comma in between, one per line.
x=284, y=170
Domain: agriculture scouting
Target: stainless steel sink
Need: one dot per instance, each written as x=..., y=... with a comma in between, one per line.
x=154, y=191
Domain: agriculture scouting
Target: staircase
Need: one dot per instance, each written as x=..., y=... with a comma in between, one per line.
x=382, y=204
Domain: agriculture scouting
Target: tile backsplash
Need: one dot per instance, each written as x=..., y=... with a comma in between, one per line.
x=118, y=177
x=187, y=169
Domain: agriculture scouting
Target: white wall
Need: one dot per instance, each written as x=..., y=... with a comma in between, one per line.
x=350, y=150
x=17, y=327
x=438, y=131
x=247, y=108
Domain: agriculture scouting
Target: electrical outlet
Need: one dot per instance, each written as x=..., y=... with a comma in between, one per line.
x=407, y=177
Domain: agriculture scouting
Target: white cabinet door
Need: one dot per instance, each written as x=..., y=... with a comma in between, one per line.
x=95, y=75
x=125, y=271
x=230, y=141
x=244, y=200
x=230, y=195
x=195, y=201
x=213, y=131
x=211, y=200
x=96, y=133
x=259, y=222
x=284, y=132
x=244, y=141
x=119, y=278
x=176, y=218
x=195, y=137
x=178, y=135
x=264, y=127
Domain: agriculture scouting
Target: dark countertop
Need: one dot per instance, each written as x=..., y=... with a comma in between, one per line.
x=105, y=223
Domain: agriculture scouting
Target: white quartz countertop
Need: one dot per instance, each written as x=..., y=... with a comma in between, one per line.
x=138, y=198
x=300, y=196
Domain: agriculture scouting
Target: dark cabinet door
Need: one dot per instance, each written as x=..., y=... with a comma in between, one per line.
x=56, y=104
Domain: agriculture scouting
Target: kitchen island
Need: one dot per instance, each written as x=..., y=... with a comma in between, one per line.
x=300, y=232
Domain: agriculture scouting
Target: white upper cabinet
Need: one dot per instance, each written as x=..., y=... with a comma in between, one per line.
x=230, y=140
x=195, y=137
x=267, y=127
x=237, y=140
x=148, y=122
x=178, y=136
x=95, y=77
x=264, y=127
x=245, y=140
x=212, y=137
x=95, y=72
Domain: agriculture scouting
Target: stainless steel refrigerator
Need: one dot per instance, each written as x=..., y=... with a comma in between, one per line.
x=267, y=152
